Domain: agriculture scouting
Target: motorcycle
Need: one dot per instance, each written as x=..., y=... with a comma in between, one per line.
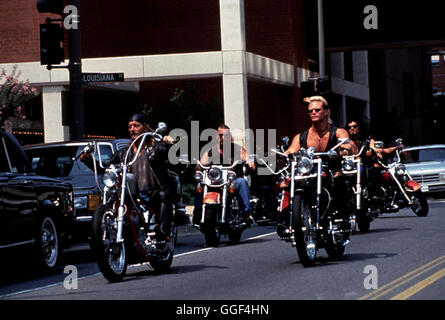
x=314, y=221
x=352, y=169
x=124, y=228
x=221, y=213
x=397, y=189
x=267, y=199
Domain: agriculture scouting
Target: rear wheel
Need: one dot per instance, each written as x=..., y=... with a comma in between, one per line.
x=420, y=204
x=111, y=256
x=304, y=228
x=163, y=264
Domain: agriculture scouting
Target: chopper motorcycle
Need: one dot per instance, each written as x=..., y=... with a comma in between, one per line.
x=396, y=188
x=268, y=200
x=124, y=227
x=353, y=169
x=221, y=212
x=315, y=221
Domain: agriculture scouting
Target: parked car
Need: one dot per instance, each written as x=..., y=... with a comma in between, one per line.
x=36, y=212
x=60, y=160
x=426, y=164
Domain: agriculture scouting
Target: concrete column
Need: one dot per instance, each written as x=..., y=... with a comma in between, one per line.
x=52, y=102
x=338, y=65
x=360, y=67
x=233, y=45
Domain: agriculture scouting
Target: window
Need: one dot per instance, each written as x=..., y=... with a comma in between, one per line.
x=437, y=154
x=435, y=59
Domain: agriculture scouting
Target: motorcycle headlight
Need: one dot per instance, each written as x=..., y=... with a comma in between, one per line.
x=348, y=165
x=231, y=176
x=215, y=175
x=110, y=178
x=400, y=170
x=199, y=177
x=304, y=165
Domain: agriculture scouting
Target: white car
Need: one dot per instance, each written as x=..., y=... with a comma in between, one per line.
x=426, y=164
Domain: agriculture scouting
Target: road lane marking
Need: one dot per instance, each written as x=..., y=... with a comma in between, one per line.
x=130, y=266
x=403, y=279
x=419, y=286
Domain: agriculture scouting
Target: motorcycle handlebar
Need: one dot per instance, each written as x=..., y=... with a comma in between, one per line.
x=224, y=168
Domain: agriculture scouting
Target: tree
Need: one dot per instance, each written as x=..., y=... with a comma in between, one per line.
x=13, y=94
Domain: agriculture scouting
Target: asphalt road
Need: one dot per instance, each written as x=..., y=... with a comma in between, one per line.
x=402, y=257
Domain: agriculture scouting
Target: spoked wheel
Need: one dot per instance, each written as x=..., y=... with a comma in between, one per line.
x=111, y=255
x=304, y=227
x=48, y=245
x=420, y=204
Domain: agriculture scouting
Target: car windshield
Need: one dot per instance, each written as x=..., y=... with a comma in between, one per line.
x=423, y=155
x=60, y=161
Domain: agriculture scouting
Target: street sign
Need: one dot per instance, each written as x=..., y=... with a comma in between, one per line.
x=102, y=77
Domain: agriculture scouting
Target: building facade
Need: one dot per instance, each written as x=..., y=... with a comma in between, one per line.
x=249, y=55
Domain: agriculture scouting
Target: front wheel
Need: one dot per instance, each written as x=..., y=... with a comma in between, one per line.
x=209, y=229
x=420, y=204
x=111, y=256
x=304, y=228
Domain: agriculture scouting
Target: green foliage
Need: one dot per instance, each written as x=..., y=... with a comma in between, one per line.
x=13, y=94
x=184, y=106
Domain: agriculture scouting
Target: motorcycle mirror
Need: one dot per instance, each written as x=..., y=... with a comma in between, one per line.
x=379, y=144
x=285, y=140
x=162, y=127
x=399, y=141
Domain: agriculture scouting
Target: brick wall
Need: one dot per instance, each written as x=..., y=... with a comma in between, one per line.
x=19, y=31
x=110, y=28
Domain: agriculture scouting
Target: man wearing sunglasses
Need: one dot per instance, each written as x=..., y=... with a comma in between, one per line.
x=322, y=135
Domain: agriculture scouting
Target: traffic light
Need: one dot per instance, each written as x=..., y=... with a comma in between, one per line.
x=50, y=6
x=315, y=87
x=51, y=38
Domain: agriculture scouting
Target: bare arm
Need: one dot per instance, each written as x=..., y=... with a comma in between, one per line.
x=294, y=146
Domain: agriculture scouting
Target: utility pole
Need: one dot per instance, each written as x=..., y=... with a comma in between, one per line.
x=52, y=54
x=321, y=47
x=76, y=109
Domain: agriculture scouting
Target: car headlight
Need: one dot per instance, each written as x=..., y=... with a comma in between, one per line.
x=304, y=165
x=231, y=176
x=215, y=175
x=442, y=176
x=110, y=179
x=199, y=177
x=81, y=202
x=348, y=165
x=400, y=170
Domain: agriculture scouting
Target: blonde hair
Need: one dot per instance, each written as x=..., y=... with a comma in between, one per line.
x=318, y=98
x=325, y=105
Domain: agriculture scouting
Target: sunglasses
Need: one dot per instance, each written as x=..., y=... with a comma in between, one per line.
x=353, y=126
x=316, y=110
